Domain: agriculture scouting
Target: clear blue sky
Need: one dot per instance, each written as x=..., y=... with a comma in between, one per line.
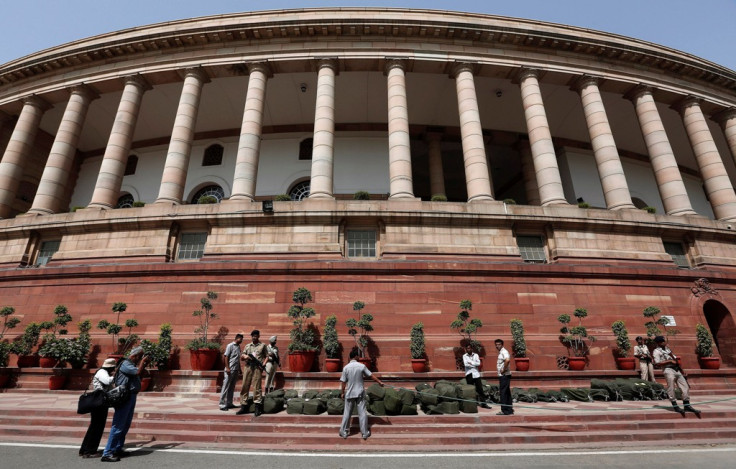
x=704, y=28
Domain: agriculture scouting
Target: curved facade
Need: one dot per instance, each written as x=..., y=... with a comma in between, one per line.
x=514, y=122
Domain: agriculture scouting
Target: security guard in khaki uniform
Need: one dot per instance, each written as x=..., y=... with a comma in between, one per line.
x=255, y=357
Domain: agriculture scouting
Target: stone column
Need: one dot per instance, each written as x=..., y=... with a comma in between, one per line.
x=323, y=149
x=53, y=184
x=610, y=170
x=667, y=174
x=18, y=151
x=436, y=172
x=727, y=119
x=477, y=176
x=249, y=145
x=112, y=170
x=715, y=178
x=527, y=171
x=399, y=151
x=549, y=182
x=174, y=177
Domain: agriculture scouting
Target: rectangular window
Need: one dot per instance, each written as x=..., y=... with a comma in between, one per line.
x=678, y=254
x=191, y=246
x=47, y=251
x=361, y=243
x=532, y=249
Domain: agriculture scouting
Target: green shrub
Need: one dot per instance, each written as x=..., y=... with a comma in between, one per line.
x=704, y=348
x=509, y=201
x=138, y=203
x=282, y=198
x=207, y=199
x=439, y=198
x=623, y=343
x=362, y=195
x=650, y=209
x=466, y=327
x=517, y=335
x=417, y=345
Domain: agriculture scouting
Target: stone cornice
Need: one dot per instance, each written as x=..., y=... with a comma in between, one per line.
x=484, y=31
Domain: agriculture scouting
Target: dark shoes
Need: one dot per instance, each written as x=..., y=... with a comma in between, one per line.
x=366, y=436
x=243, y=410
x=259, y=409
x=343, y=435
x=232, y=406
x=112, y=458
x=90, y=455
x=690, y=408
x=504, y=413
x=679, y=410
x=485, y=405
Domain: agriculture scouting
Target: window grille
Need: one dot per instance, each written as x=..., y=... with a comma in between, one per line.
x=191, y=246
x=125, y=201
x=532, y=249
x=47, y=251
x=678, y=254
x=214, y=191
x=361, y=243
x=213, y=155
x=300, y=191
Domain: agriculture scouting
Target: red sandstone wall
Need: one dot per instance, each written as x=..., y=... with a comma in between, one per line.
x=398, y=294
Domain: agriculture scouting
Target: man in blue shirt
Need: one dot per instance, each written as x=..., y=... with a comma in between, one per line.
x=127, y=375
x=352, y=379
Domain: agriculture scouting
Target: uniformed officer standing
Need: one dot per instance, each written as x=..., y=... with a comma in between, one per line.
x=255, y=358
x=641, y=351
x=272, y=364
x=664, y=358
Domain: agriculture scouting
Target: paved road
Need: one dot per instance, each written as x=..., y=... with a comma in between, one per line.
x=18, y=456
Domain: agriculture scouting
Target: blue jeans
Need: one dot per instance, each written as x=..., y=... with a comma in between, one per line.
x=121, y=421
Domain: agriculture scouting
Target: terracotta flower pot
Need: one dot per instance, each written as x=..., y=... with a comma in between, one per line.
x=203, y=359
x=301, y=361
x=4, y=380
x=576, y=363
x=366, y=361
x=522, y=364
x=419, y=365
x=56, y=382
x=332, y=365
x=626, y=363
x=46, y=362
x=28, y=361
x=709, y=363
x=145, y=384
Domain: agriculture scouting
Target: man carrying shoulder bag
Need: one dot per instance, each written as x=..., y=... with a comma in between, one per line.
x=128, y=375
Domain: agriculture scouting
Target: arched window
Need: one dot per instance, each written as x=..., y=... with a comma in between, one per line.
x=638, y=203
x=131, y=165
x=213, y=155
x=213, y=190
x=125, y=201
x=305, y=149
x=299, y=191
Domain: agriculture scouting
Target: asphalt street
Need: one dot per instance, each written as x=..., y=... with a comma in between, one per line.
x=18, y=456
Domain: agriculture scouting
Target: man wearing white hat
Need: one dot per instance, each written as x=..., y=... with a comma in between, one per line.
x=273, y=363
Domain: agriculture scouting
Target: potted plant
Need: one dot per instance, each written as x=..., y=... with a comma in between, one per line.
x=623, y=347
x=24, y=345
x=79, y=347
x=302, y=348
x=332, y=345
x=417, y=347
x=654, y=321
x=519, y=345
x=60, y=351
x=5, y=348
x=575, y=338
x=704, y=349
x=203, y=353
x=362, y=195
x=359, y=329
x=120, y=345
x=159, y=352
x=467, y=328
x=57, y=326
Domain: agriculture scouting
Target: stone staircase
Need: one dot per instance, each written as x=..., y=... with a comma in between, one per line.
x=169, y=419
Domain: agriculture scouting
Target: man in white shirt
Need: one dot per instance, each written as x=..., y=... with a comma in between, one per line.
x=232, y=372
x=471, y=362
x=504, y=378
x=352, y=390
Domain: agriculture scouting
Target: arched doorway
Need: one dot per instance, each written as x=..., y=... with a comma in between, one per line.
x=721, y=324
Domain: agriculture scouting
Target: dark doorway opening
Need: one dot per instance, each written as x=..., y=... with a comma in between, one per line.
x=722, y=327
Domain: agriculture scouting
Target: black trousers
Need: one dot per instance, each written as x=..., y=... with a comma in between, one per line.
x=504, y=388
x=478, y=387
x=91, y=442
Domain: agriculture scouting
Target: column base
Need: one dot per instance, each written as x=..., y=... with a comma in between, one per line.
x=481, y=198
x=96, y=206
x=167, y=202
x=38, y=211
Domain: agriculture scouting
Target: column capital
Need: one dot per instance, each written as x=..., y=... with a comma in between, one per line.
x=328, y=62
x=637, y=91
x=724, y=115
x=36, y=101
x=395, y=62
x=84, y=91
x=137, y=80
x=582, y=81
x=686, y=102
x=458, y=67
x=263, y=67
x=195, y=72
x=527, y=72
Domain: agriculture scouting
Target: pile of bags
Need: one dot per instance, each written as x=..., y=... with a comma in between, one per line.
x=447, y=398
x=391, y=401
x=314, y=402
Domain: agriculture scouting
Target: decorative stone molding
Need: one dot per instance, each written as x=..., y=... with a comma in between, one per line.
x=138, y=80
x=703, y=287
